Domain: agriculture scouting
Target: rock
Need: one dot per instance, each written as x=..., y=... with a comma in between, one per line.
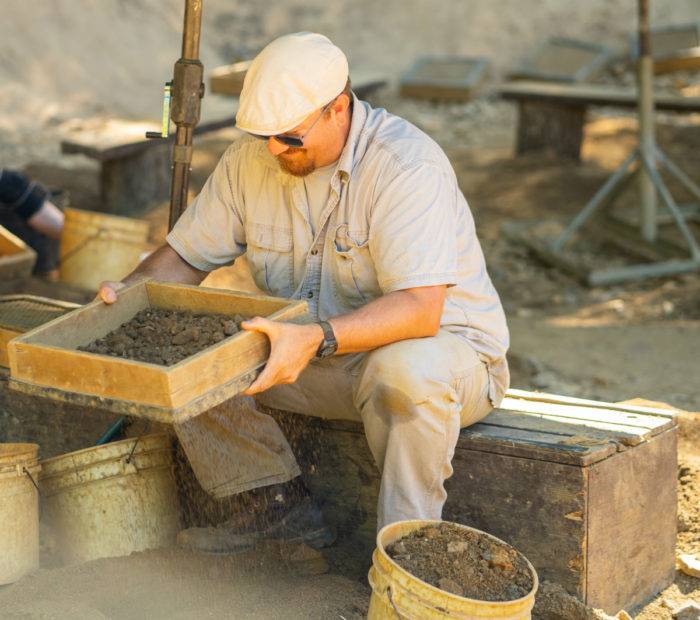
x=501, y=559
x=687, y=611
x=448, y=585
x=230, y=328
x=689, y=564
x=457, y=546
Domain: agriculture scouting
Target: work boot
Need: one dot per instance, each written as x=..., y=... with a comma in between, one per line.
x=302, y=524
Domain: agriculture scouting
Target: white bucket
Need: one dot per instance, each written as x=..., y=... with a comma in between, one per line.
x=19, y=511
x=111, y=500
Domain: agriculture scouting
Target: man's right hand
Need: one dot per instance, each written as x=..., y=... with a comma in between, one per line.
x=108, y=291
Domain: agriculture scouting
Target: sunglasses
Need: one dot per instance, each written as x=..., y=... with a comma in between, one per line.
x=295, y=141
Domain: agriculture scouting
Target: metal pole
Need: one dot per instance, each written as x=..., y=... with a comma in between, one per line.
x=188, y=90
x=645, y=107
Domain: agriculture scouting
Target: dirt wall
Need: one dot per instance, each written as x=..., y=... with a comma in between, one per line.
x=80, y=57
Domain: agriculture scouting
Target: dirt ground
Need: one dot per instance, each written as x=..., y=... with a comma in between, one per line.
x=615, y=343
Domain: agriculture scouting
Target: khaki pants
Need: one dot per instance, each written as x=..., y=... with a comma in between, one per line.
x=412, y=396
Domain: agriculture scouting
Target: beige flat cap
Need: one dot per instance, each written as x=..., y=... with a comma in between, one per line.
x=289, y=79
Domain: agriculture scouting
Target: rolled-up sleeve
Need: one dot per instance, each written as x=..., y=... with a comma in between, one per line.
x=210, y=233
x=413, y=238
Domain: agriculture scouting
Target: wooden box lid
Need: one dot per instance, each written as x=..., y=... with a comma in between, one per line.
x=561, y=429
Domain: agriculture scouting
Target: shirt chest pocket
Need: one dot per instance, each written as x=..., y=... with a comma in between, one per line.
x=355, y=277
x=271, y=258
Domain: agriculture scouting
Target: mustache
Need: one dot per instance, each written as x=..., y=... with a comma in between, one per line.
x=293, y=149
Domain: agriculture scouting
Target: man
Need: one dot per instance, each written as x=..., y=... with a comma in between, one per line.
x=359, y=213
x=27, y=211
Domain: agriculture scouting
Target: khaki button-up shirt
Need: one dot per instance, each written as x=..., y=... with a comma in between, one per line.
x=395, y=219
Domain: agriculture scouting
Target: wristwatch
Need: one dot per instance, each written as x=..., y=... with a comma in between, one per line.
x=329, y=345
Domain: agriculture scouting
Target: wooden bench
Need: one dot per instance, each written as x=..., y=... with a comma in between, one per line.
x=228, y=80
x=134, y=171
x=586, y=490
x=552, y=115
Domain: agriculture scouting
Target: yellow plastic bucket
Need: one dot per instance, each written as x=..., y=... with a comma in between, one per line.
x=97, y=247
x=19, y=510
x=111, y=500
x=399, y=595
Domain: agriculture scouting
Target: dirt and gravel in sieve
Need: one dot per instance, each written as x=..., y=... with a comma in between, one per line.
x=463, y=562
x=165, y=337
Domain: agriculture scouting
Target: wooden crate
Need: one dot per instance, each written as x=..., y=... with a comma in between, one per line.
x=16, y=259
x=673, y=48
x=586, y=490
x=46, y=361
x=22, y=313
x=453, y=78
x=563, y=60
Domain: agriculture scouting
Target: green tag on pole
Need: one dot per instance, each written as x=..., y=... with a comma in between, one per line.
x=165, y=131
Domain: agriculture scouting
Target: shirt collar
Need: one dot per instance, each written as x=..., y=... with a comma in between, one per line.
x=351, y=149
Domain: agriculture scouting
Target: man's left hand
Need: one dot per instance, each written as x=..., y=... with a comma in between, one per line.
x=292, y=347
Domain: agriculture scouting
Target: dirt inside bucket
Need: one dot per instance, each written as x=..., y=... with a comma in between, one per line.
x=165, y=336
x=463, y=562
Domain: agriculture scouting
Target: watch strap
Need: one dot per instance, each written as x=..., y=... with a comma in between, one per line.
x=328, y=339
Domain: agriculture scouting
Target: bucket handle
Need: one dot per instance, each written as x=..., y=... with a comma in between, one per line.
x=24, y=470
x=399, y=615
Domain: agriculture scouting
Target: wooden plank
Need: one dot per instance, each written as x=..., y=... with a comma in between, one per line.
x=76, y=371
x=593, y=94
x=539, y=507
x=92, y=321
x=530, y=445
x=215, y=301
x=563, y=431
x=632, y=525
x=5, y=336
x=545, y=397
x=165, y=415
x=634, y=423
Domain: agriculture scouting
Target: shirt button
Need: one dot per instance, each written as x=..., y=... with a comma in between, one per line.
x=314, y=252
x=310, y=294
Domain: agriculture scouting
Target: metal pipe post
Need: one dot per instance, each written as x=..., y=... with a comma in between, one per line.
x=645, y=109
x=188, y=90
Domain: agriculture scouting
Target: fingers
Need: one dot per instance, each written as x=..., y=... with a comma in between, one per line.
x=259, y=324
x=108, y=291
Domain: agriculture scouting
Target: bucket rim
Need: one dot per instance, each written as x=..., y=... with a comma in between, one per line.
x=140, y=442
x=126, y=222
x=22, y=451
x=455, y=597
